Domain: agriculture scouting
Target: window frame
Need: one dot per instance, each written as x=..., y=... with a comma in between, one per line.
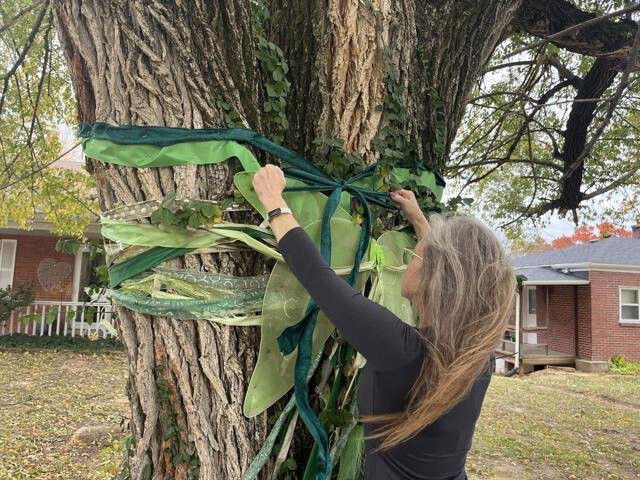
x=620, y=305
x=533, y=291
x=4, y=241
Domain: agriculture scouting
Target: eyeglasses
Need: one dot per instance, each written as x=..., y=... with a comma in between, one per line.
x=408, y=254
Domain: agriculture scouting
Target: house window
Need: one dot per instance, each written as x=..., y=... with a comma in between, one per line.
x=629, y=304
x=7, y=261
x=532, y=301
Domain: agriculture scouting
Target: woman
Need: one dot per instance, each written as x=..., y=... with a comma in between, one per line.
x=422, y=388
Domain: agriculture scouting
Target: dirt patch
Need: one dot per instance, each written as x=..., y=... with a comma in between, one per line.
x=599, y=396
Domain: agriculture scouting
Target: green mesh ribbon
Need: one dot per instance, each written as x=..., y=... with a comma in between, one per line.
x=163, y=146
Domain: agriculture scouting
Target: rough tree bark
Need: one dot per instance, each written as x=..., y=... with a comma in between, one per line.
x=158, y=62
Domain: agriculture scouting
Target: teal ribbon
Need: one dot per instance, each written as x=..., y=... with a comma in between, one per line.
x=299, y=335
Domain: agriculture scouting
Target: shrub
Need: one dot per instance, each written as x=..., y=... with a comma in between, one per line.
x=619, y=364
x=76, y=344
x=14, y=297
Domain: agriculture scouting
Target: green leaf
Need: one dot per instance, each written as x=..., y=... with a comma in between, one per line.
x=338, y=418
x=164, y=216
x=209, y=210
x=169, y=200
x=271, y=90
x=277, y=74
x=196, y=220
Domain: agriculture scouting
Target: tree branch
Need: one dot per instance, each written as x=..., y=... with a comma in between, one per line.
x=615, y=98
x=598, y=36
x=32, y=36
x=39, y=169
x=615, y=184
x=19, y=15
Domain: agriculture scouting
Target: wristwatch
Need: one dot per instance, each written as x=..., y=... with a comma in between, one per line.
x=277, y=212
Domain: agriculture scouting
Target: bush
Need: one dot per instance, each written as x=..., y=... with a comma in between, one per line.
x=14, y=297
x=619, y=364
x=75, y=344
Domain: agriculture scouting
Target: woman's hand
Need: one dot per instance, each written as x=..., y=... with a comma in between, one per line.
x=269, y=184
x=406, y=201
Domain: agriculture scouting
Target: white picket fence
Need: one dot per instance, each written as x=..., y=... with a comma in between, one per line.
x=73, y=319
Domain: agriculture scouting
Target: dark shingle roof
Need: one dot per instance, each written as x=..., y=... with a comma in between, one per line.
x=612, y=250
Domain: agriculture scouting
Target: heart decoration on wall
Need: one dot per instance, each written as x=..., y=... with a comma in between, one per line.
x=52, y=274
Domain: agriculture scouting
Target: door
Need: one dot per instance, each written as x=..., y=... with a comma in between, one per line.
x=529, y=315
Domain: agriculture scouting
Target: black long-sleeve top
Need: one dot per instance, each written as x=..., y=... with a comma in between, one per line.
x=394, y=353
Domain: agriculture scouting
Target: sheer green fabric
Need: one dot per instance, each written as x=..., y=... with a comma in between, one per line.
x=171, y=241
x=285, y=302
x=390, y=273
x=184, y=153
x=307, y=207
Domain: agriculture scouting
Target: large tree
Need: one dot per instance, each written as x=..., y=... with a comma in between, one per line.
x=193, y=64
x=307, y=73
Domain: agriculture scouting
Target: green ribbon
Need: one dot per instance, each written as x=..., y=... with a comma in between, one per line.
x=187, y=153
x=142, y=262
x=299, y=335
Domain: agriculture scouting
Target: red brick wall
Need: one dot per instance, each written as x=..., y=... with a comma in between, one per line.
x=559, y=317
x=31, y=251
x=609, y=336
x=561, y=326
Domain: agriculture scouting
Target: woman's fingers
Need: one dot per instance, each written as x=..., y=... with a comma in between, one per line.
x=269, y=183
x=403, y=197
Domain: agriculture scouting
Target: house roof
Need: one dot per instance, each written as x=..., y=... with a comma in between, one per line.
x=608, y=251
x=548, y=276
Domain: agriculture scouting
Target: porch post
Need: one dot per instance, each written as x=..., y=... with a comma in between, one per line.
x=77, y=273
x=517, y=347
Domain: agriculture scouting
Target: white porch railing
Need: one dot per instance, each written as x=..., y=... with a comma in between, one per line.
x=73, y=319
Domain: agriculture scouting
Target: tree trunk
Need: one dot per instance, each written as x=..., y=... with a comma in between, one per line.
x=157, y=62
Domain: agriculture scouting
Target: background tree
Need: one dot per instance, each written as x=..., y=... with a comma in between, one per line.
x=36, y=100
x=556, y=127
x=314, y=74
x=581, y=234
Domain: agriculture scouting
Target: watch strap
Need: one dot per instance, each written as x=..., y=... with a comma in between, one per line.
x=277, y=212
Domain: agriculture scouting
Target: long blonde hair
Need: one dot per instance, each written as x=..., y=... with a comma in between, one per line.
x=464, y=302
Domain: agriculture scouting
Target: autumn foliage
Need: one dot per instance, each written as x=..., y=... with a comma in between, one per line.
x=583, y=234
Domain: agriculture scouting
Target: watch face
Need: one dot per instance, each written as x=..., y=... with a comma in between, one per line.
x=275, y=213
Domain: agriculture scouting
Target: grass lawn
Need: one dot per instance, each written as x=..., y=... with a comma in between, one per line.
x=549, y=425
x=45, y=397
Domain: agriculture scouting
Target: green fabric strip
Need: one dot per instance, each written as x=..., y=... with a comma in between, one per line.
x=185, y=153
x=216, y=280
x=228, y=311
x=260, y=460
x=142, y=262
x=166, y=136
x=299, y=335
x=175, y=237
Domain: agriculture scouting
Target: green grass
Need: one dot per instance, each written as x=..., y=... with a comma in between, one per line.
x=547, y=426
x=554, y=424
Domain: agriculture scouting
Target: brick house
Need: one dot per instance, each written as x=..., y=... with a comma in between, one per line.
x=57, y=279
x=30, y=256
x=579, y=306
